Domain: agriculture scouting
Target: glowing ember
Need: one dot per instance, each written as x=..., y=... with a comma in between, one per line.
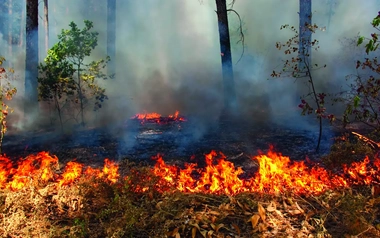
x=276, y=174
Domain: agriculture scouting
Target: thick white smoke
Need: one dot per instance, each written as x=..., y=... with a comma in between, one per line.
x=168, y=55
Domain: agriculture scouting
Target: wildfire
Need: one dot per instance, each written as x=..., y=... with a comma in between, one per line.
x=157, y=118
x=275, y=174
x=38, y=170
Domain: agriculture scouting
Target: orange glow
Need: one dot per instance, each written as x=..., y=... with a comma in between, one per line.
x=157, y=118
x=147, y=116
x=275, y=174
x=34, y=169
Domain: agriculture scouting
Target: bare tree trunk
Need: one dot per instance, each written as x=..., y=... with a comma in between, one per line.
x=305, y=32
x=21, y=35
x=225, y=52
x=31, y=71
x=46, y=24
x=111, y=36
x=10, y=31
x=4, y=19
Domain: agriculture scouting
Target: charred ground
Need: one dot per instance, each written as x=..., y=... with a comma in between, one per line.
x=177, y=141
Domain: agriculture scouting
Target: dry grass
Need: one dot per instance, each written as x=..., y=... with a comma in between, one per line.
x=94, y=208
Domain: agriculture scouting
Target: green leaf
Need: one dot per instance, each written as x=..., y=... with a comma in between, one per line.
x=360, y=40
x=356, y=101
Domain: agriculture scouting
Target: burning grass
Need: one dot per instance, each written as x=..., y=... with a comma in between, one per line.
x=284, y=198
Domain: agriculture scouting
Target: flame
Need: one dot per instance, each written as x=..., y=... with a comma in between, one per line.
x=39, y=169
x=157, y=118
x=147, y=116
x=275, y=174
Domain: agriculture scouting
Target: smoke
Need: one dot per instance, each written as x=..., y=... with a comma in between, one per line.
x=168, y=55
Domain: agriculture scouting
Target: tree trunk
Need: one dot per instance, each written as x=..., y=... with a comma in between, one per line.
x=46, y=24
x=31, y=71
x=4, y=11
x=225, y=52
x=305, y=32
x=10, y=32
x=111, y=36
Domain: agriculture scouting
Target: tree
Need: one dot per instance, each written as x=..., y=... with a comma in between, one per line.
x=304, y=32
x=46, y=24
x=7, y=91
x=225, y=52
x=31, y=71
x=66, y=70
x=299, y=66
x=111, y=36
x=56, y=82
x=363, y=99
x=3, y=19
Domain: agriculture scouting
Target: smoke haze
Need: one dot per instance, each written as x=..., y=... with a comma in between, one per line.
x=168, y=54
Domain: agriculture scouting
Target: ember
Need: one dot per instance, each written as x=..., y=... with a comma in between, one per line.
x=276, y=174
x=157, y=118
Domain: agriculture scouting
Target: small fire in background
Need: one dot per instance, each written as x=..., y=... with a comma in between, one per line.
x=276, y=174
x=158, y=118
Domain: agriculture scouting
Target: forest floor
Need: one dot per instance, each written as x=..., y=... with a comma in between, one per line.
x=142, y=203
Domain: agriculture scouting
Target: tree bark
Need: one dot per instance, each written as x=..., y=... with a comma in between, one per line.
x=305, y=32
x=4, y=18
x=46, y=24
x=31, y=71
x=225, y=52
x=10, y=31
x=111, y=36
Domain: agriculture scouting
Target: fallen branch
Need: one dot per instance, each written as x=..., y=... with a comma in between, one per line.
x=373, y=144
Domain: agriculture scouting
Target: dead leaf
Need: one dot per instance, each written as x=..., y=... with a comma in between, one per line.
x=375, y=191
x=240, y=205
x=203, y=233
x=193, y=232
x=214, y=213
x=271, y=207
x=158, y=205
x=173, y=233
x=299, y=208
x=295, y=212
x=261, y=210
x=236, y=227
x=262, y=227
x=254, y=220
x=219, y=226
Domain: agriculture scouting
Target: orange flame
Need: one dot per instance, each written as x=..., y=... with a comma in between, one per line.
x=158, y=118
x=147, y=116
x=275, y=174
x=40, y=169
